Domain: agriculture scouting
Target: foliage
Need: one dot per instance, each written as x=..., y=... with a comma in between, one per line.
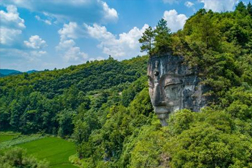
x=105, y=106
x=47, y=102
x=217, y=43
x=147, y=40
x=18, y=158
x=210, y=141
x=162, y=38
x=156, y=41
x=59, y=102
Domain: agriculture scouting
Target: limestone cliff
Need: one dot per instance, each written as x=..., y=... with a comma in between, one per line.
x=173, y=86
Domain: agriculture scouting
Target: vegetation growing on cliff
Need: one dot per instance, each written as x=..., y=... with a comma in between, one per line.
x=105, y=106
x=157, y=41
x=219, y=44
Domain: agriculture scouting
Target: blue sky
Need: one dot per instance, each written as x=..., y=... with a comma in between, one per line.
x=48, y=34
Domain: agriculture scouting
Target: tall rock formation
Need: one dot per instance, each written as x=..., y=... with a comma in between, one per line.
x=174, y=86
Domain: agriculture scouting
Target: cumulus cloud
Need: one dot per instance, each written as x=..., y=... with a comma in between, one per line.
x=99, y=32
x=71, y=30
x=11, y=18
x=8, y=35
x=43, y=20
x=67, y=46
x=35, y=42
x=70, y=52
x=74, y=54
x=174, y=20
x=110, y=13
x=11, y=25
x=219, y=6
x=11, y=28
x=125, y=45
x=189, y=4
x=88, y=11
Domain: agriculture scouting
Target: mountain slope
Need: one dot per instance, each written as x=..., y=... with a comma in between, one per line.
x=7, y=72
x=105, y=106
x=33, y=102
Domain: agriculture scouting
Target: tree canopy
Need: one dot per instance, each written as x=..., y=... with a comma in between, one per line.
x=105, y=106
x=156, y=41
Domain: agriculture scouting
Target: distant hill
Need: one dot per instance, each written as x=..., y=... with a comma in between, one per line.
x=31, y=71
x=8, y=72
x=105, y=105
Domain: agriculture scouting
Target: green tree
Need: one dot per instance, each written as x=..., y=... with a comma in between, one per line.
x=147, y=40
x=66, y=124
x=249, y=8
x=18, y=158
x=241, y=8
x=162, y=38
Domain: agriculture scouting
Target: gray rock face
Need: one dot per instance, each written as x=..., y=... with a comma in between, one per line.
x=174, y=86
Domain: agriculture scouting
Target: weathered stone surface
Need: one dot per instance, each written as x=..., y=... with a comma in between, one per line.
x=173, y=86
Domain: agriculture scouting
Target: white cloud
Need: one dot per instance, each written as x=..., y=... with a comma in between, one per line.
x=67, y=46
x=35, y=42
x=219, y=6
x=11, y=25
x=48, y=22
x=109, y=13
x=71, y=30
x=7, y=36
x=174, y=20
x=74, y=54
x=43, y=20
x=126, y=45
x=11, y=18
x=90, y=10
x=99, y=32
x=189, y=4
x=71, y=53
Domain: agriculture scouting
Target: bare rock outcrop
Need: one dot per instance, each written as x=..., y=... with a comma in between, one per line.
x=174, y=86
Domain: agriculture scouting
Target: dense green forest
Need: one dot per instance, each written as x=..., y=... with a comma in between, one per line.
x=17, y=157
x=105, y=106
x=47, y=101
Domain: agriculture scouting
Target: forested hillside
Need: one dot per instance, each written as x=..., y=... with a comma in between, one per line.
x=105, y=107
x=45, y=101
